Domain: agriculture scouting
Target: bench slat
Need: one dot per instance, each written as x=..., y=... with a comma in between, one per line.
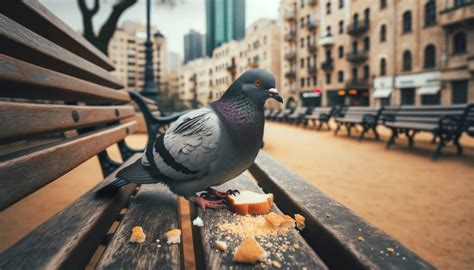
x=335, y=238
x=20, y=120
x=43, y=164
x=155, y=209
x=69, y=239
x=20, y=79
x=45, y=23
x=206, y=236
x=21, y=43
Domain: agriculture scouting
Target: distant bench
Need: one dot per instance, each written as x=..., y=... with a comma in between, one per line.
x=297, y=117
x=446, y=123
x=366, y=117
x=42, y=60
x=321, y=115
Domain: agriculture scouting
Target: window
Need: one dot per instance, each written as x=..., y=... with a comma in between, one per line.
x=354, y=47
x=328, y=7
x=308, y=61
x=383, y=4
x=430, y=13
x=301, y=3
x=367, y=16
x=302, y=82
x=308, y=81
x=459, y=43
x=383, y=67
x=354, y=74
x=341, y=27
x=314, y=80
x=406, y=22
x=341, y=51
x=302, y=42
x=302, y=22
x=430, y=56
x=431, y=99
x=407, y=96
x=340, y=76
x=328, y=30
x=366, y=72
x=459, y=92
x=328, y=78
x=366, y=44
x=302, y=62
x=383, y=33
x=407, y=61
x=356, y=20
x=341, y=4
x=308, y=40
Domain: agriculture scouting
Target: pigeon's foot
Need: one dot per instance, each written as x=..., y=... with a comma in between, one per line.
x=214, y=194
x=205, y=203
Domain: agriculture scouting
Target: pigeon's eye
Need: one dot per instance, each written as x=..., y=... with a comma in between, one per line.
x=258, y=82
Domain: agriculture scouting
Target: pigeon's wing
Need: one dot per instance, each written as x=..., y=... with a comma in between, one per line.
x=188, y=147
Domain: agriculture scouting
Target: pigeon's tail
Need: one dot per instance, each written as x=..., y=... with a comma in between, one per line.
x=111, y=188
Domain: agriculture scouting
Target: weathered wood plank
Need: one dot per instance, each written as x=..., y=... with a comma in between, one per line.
x=206, y=236
x=20, y=120
x=19, y=79
x=24, y=172
x=69, y=239
x=155, y=209
x=43, y=22
x=335, y=239
x=21, y=43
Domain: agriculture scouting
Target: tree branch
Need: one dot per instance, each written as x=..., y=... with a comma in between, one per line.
x=87, y=14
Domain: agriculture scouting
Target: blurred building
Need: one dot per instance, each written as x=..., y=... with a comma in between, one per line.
x=207, y=79
x=225, y=21
x=380, y=52
x=173, y=61
x=170, y=85
x=127, y=52
x=193, y=46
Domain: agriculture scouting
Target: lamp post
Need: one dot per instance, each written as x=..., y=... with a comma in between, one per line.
x=150, y=88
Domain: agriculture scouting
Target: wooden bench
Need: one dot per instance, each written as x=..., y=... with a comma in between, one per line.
x=297, y=117
x=366, y=117
x=273, y=114
x=90, y=113
x=321, y=115
x=446, y=123
x=283, y=115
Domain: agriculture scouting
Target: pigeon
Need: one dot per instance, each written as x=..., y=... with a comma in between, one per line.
x=209, y=146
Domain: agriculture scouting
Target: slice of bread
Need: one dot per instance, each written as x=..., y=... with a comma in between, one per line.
x=249, y=202
x=249, y=251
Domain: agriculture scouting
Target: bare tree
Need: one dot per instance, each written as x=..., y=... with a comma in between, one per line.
x=102, y=39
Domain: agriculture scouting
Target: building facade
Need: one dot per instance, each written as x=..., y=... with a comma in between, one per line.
x=207, y=79
x=225, y=21
x=127, y=52
x=194, y=46
x=380, y=52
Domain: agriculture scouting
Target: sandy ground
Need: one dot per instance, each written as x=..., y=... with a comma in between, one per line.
x=427, y=205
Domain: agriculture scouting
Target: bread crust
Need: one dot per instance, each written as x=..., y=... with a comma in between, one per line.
x=260, y=208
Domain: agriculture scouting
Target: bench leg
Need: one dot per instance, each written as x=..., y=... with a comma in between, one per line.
x=440, y=146
x=433, y=141
x=410, y=137
x=349, y=129
x=458, y=145
x=364, y=130
x=327, y=125
x=337, y=128
x=376, y=134
x=320, y=125
x=391, y=140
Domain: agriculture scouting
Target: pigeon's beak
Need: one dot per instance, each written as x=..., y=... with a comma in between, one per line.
x=275, y=95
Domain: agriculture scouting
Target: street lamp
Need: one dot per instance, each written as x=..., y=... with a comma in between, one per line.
x=150, y=88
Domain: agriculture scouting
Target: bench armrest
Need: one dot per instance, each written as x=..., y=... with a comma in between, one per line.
x=450, y=125
x=369, y=119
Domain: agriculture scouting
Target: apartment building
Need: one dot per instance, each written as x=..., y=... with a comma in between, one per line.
x=207, y=79
x=379, y=52
x=127, y=52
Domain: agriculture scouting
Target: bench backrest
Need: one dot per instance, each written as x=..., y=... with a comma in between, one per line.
x=425, y=114
x=356, y=112
x=299, y=110
x=322, y=110
x=59, y=104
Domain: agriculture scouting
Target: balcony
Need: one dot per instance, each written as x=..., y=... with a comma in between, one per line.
x=312, y=48
x=357, y=84
x=312, y=70
x=289, y=14
x=311, y=25
x=312, y=2
x=290, y=75
x=463, y=13
x=326, y=41
x=327, y=65
x=356, y=29
x=232, y=67
x=357, y=57
x=291, y=36
x=291, y=56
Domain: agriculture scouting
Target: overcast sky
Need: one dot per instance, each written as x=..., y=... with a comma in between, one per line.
x=173, y=22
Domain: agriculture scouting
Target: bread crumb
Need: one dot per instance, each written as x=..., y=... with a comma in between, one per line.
x=221, y=245
x=361, y=239
x=296, y=246
x=249, y=251
x=198, y=222
x=299, y=222
x=252, y=226
x=390, y=250
x=276, y=264
x=173, y=236
x=279, y=221
x=138, y=236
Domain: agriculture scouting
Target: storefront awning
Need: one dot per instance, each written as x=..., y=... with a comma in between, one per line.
x=382, y=93
x=428, y=90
